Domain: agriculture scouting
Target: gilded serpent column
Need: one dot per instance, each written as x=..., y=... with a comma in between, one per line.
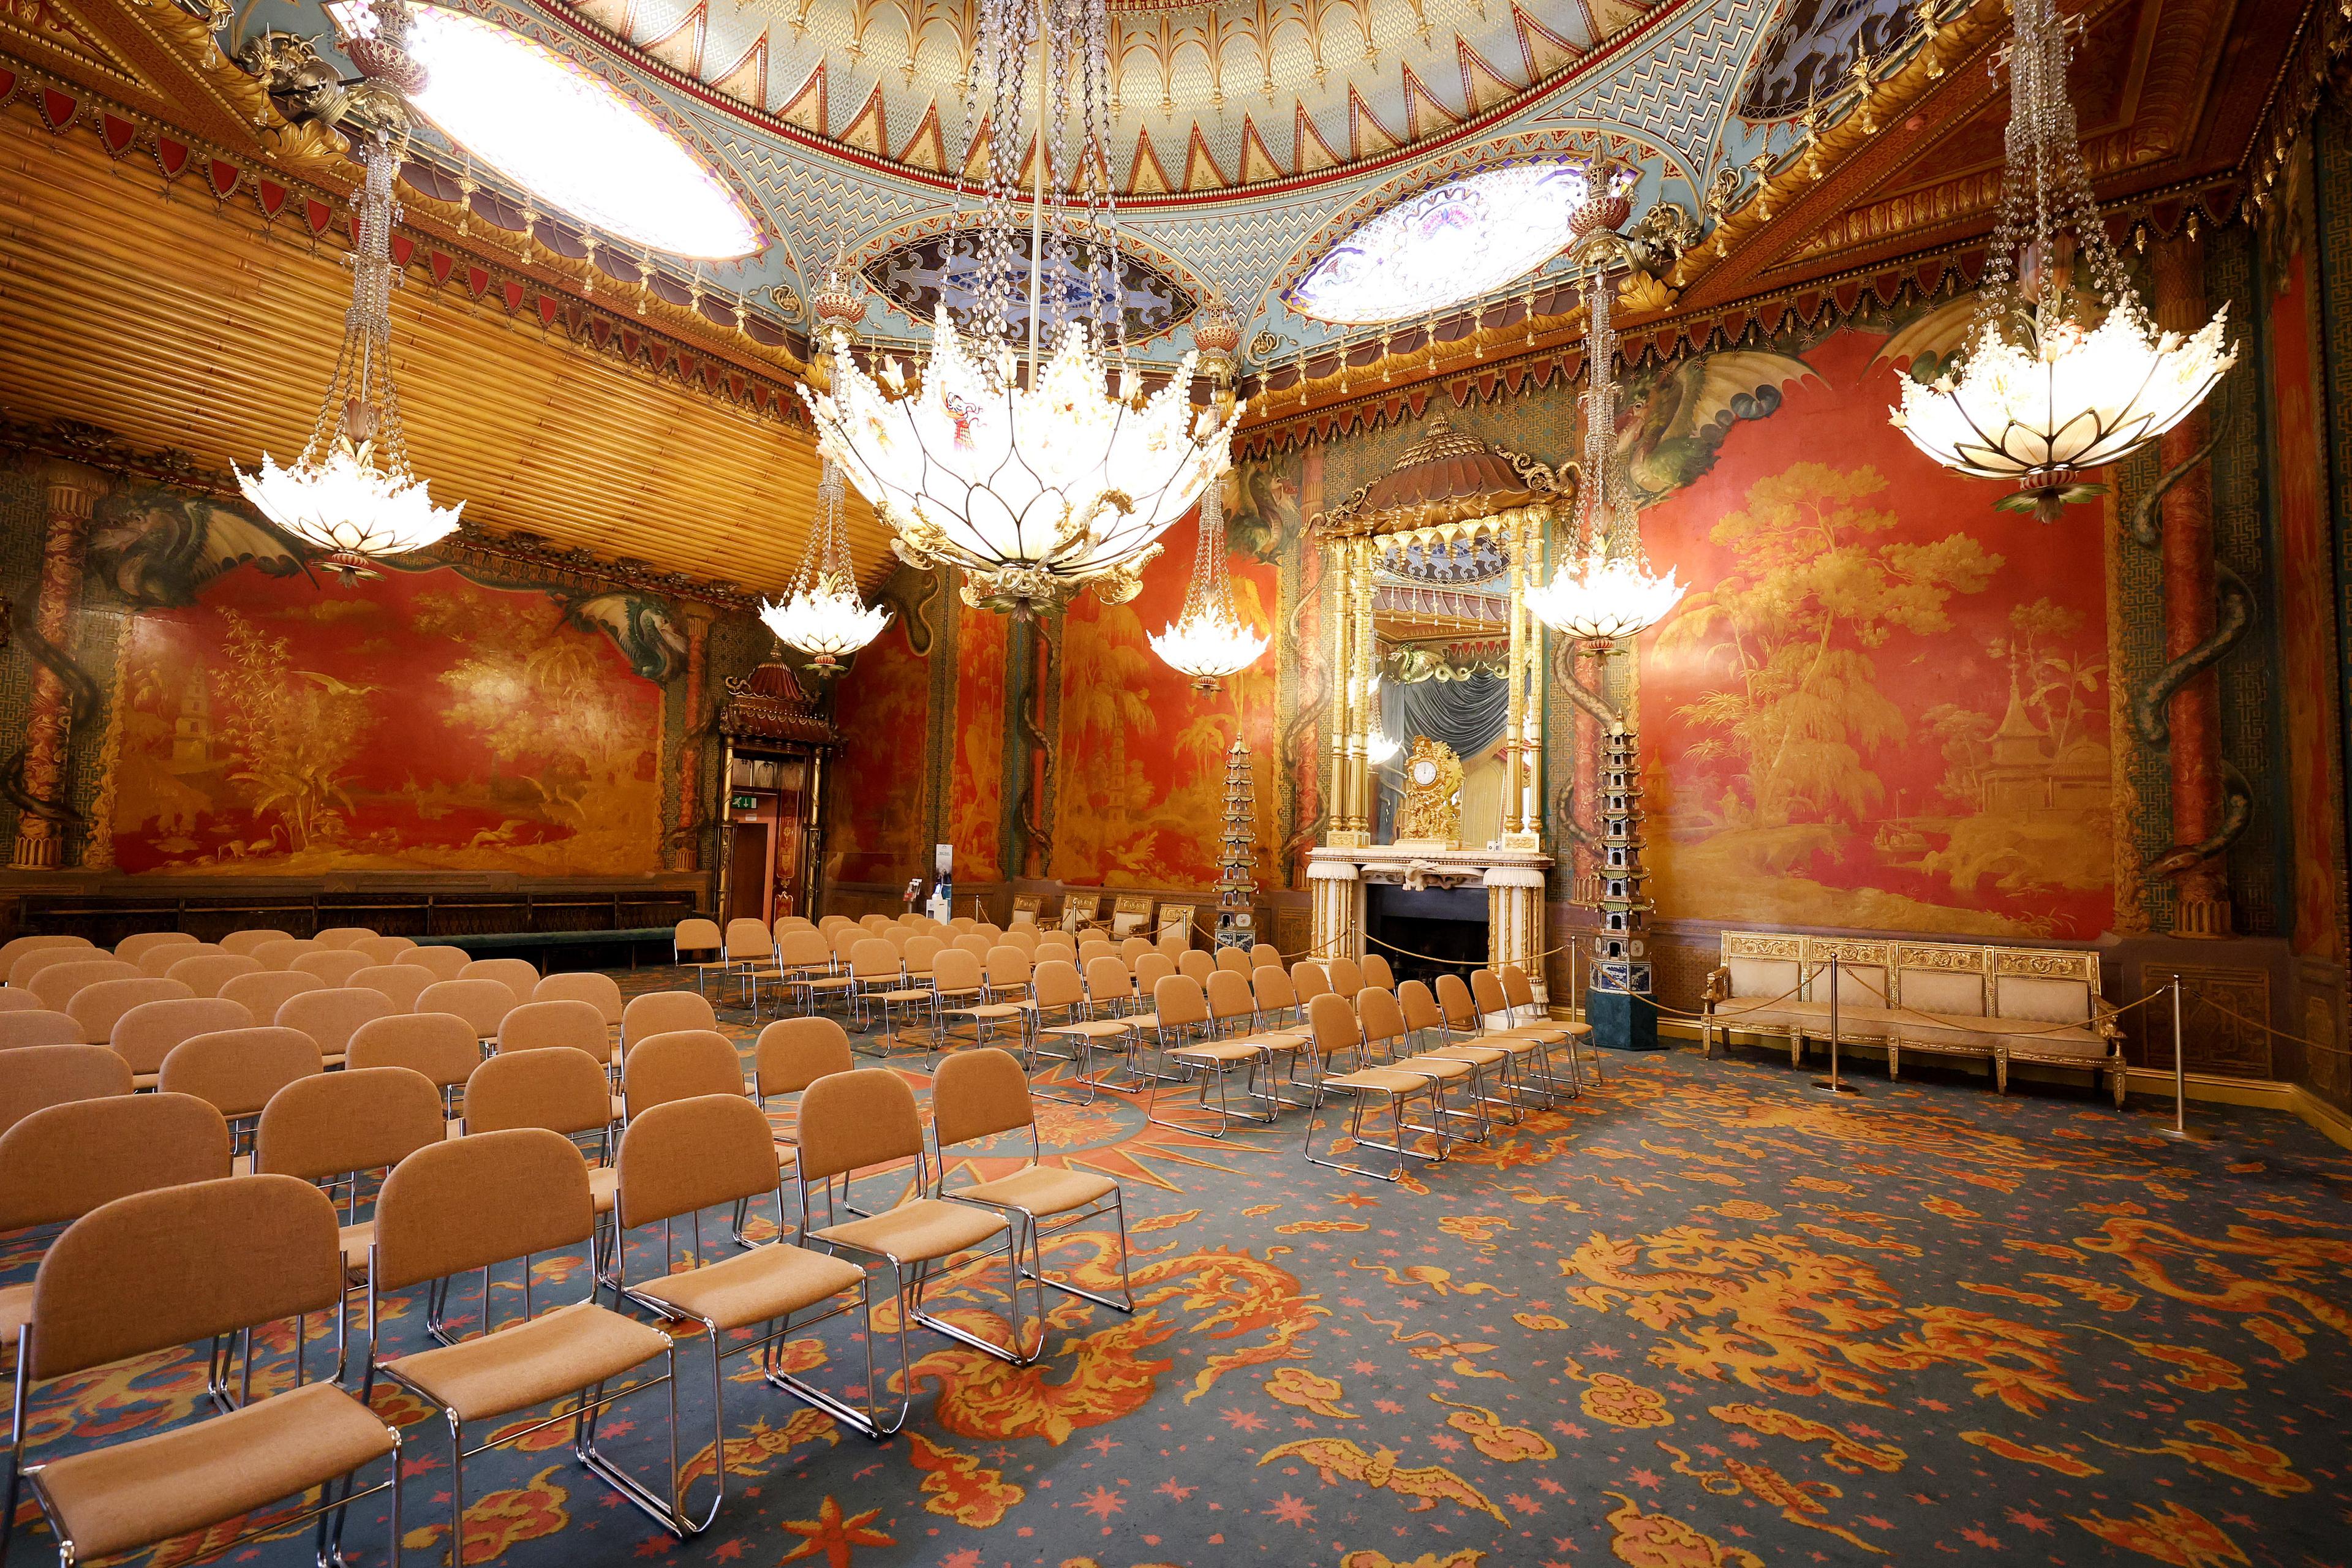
x=73, y=490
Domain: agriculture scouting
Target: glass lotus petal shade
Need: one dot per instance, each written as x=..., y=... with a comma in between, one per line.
x=2041, y=395
x=1209, y=641
x=1455, y=242
x=1603, y=598
x=824, y=615
x=1381, y=747
x=566, y=135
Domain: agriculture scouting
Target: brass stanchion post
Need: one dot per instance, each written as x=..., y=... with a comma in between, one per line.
x=2178, y=1132
x=1834, y=1084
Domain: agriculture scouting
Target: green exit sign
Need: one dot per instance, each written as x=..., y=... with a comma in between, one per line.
x=745, y=803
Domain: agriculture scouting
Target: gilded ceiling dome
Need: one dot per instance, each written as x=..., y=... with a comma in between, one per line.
x=1445, y=476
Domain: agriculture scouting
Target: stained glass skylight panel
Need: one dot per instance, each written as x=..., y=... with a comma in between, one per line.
x=1454, y=242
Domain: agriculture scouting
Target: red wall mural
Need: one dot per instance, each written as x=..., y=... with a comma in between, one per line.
x=976, y=776
x=419, y=720
x=1885, y=706
x=883, y=709
x=1142, y=770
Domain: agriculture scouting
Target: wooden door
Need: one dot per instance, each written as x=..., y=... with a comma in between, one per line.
x=747, y=871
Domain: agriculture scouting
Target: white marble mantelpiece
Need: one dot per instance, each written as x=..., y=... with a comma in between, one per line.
x=1514, y=880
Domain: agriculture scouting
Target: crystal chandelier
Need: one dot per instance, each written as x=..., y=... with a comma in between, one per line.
x=1606, y=591
x=351, y=493
x=1036, y=469
x=2042, y=395
x=825, y=616
x=1209, y=641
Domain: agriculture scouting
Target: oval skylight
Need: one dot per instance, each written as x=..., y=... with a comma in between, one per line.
x=571, y=139
x=1451, y=243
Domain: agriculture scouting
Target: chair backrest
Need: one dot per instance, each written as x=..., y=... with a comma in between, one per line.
x=345, y=936
x=145, y=1035
x=1308, y=980
x=1055, y=982
x=1179, y=1000
x=873, y=959
x=1273, y=988
x=1097, y=948
x=1486, y=990
x=1197, y=965
x=686, y=1155
x=517, y=976
x=441, y=1045
x=874, y=922
x=921, y=952
x=1333, y=1024
x=1378, y=973
x=830, y=923
x=1108, y=979
x=978, y=1094
x=600, y=990
x=1007, y=966
x=59, y=1162
x=561, y=1090
x=845, y=937
x=898, y=937
x=236, y=1070
x=1150, y=970
x=162, y=958
x=37, y=1077
x=697, y=935
x=265, y=991
x=207, y=972
x=333, y=966
x=282, y=953
x=956, y=969
x=804, y=949
x=30, y=1027
x=446, y=963
x=852, y=1120
x=1234, y=959
x=16, y=947
x=749, y=938
x=665, y=1012
x=468, y=1203
x=96, y=1009
x=245, y=942
x=1454, y=1000
x=58, y=983
x=402, y=984
x=167, y=1267
x=975, y=945
x=961, y=924
x=1023, y=938
x=1229, y=996
x=331, y=1017
x=1134, y=947
x=1060, y=941
x=1174, y=941
x=15, y=1001
x=793, y=1053
x=1419, y=1007
x=383, y=949
x=540, y=1025
x=1381, y=1020
x=37, y=960
x=680, y=1066
x=132, y=948
x=1265, y=955
x=363, y=1119
x=1518, y=991
x=1346, y=976
x=481, y=1003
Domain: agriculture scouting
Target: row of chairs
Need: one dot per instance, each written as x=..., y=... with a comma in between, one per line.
x=164, y=1246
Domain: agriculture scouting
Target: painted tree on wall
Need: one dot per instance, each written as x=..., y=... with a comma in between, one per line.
x=292, y=735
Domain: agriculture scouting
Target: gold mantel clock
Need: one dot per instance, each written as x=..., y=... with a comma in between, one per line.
x=1430, y=811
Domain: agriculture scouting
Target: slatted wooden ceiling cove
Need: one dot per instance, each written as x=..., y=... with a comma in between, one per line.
x=173, y=322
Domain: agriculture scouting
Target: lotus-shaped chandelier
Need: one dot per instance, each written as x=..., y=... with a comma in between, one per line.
x=1209, y=641
x=1605, y=590
x=824, y=615
x=2043, y=395
x=351, y=493
x=1043, y=469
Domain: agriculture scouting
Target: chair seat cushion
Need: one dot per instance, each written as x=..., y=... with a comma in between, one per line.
x=2021, y=1036
x=753, y=1286
x=1444, y=1067
x=148, y=1489
x=917, y=1232
x=356, y=1240
x=992, y=1012
x=1274, y=1041
x=1216, y=1051
x=1379, y=1080
x=1483, y=1056
x=1094, y=1028
x=923, y=995
x=604, y=1181
x=1043, y=1190
x=556, y=1353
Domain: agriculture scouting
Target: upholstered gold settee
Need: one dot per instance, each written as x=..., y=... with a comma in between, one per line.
x=2002, y=1004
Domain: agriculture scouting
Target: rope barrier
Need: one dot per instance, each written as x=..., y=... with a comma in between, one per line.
x=2054, y=1029
x=2205, y=1001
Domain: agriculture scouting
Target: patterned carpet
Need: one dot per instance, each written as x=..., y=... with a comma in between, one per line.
x=1701, y=1316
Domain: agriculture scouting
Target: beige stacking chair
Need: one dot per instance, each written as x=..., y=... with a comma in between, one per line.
x=96, y=1009
x=481, y=1003
x=1335, y=1031
x=1196, y=965
x=1234, y=959
x=1149, y=971
x=146, y=1034
x=15, y=1001
x=31, y=1026
x=806, y=959
x=1179, y=1013
x=473, y=1203
x=985, y=1094
x=688, y=1155
x=334, y=1128
x=440, y=1045
x=236, y=1071
x=555, y=1090
x=57, y=984
x=680, y=1066
x=1134, y=947
x=542, y=1026
x=1518, y=1086
x=793, y=1053
x=1056, y=997
x=383, y=949
x=37, y=1077
x=333, y=966
x=159, y=960
x=264, y=992
x=1234, y=1018
x=699, y=935
x=159, y=1269
x=345, y=936
x=33, y=961
x=331, y=1018
x=1346, y=976
x=1378, y=973
x=664, y=1013
x=858, y=1120
x=1004, y=999
x=16, y=947
x=1270, y=985
x=283, y=955
x=245, y=942
x=402, y=984
x=206, y=972
x=750, y=953
x=1386, y=1040
x=600, y=990
x=1265, y=955
x=1309, y=980
x=1526, y=1017
x=1471, y=1010
x=446, y=963
x=132, y=949
x=517, y=976
x=1106, y=1026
